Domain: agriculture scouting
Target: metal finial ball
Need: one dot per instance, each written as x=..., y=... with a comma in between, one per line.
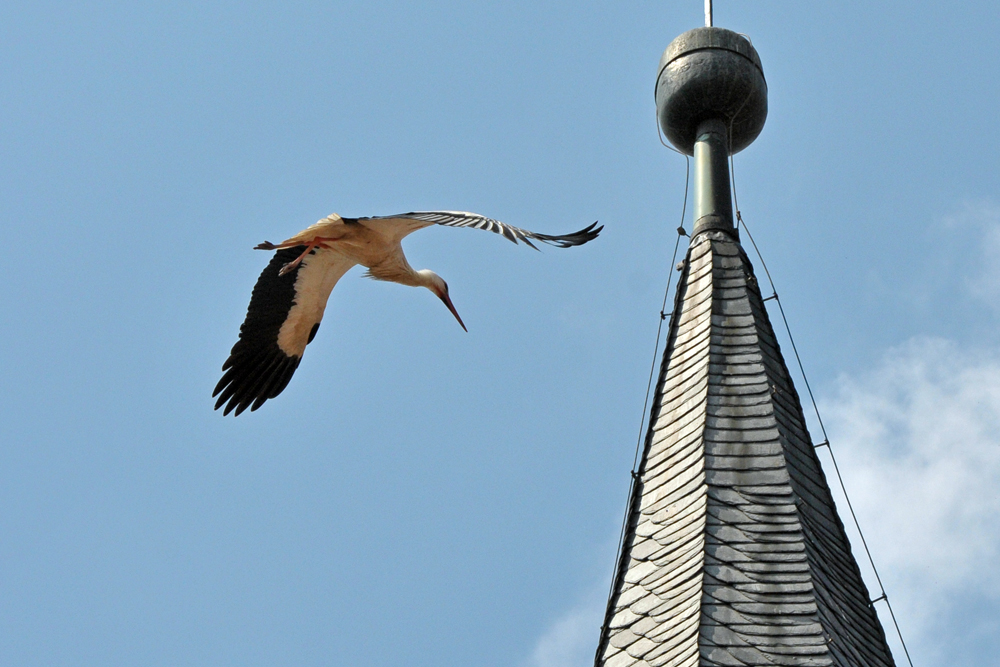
x=706, y=74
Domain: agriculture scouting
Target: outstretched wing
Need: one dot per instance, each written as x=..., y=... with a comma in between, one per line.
x=283, y=317
x=404, y=223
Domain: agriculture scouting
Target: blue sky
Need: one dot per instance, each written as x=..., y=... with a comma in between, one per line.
x=420, y=495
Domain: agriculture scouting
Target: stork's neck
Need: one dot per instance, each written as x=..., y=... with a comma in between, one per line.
x=396, y=269
x=429, y=279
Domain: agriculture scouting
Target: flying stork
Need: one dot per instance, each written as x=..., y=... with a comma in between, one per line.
x=290, y=296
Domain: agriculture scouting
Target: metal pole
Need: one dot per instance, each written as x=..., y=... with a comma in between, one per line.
x=708, y=13
x=713, y=200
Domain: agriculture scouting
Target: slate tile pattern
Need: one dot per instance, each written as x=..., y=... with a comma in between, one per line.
x=734, y=553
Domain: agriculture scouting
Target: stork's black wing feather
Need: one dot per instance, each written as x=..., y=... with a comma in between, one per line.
x=257, y=369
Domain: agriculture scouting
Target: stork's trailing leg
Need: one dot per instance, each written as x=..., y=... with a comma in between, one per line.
x=318, y=242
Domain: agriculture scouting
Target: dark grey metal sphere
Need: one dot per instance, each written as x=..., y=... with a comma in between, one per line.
x=709, y=73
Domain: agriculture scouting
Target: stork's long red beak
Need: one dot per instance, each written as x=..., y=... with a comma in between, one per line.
x=451, y=307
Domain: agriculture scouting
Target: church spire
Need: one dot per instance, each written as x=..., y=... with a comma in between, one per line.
x=733, y=553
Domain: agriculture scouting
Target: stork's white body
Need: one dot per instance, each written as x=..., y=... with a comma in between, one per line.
x=376, y=247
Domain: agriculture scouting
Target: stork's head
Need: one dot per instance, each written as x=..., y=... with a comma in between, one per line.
x=436, y=284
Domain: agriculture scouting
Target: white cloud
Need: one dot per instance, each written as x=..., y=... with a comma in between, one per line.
x=918, y=439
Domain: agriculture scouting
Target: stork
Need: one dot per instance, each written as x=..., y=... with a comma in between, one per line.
x=288, y=301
